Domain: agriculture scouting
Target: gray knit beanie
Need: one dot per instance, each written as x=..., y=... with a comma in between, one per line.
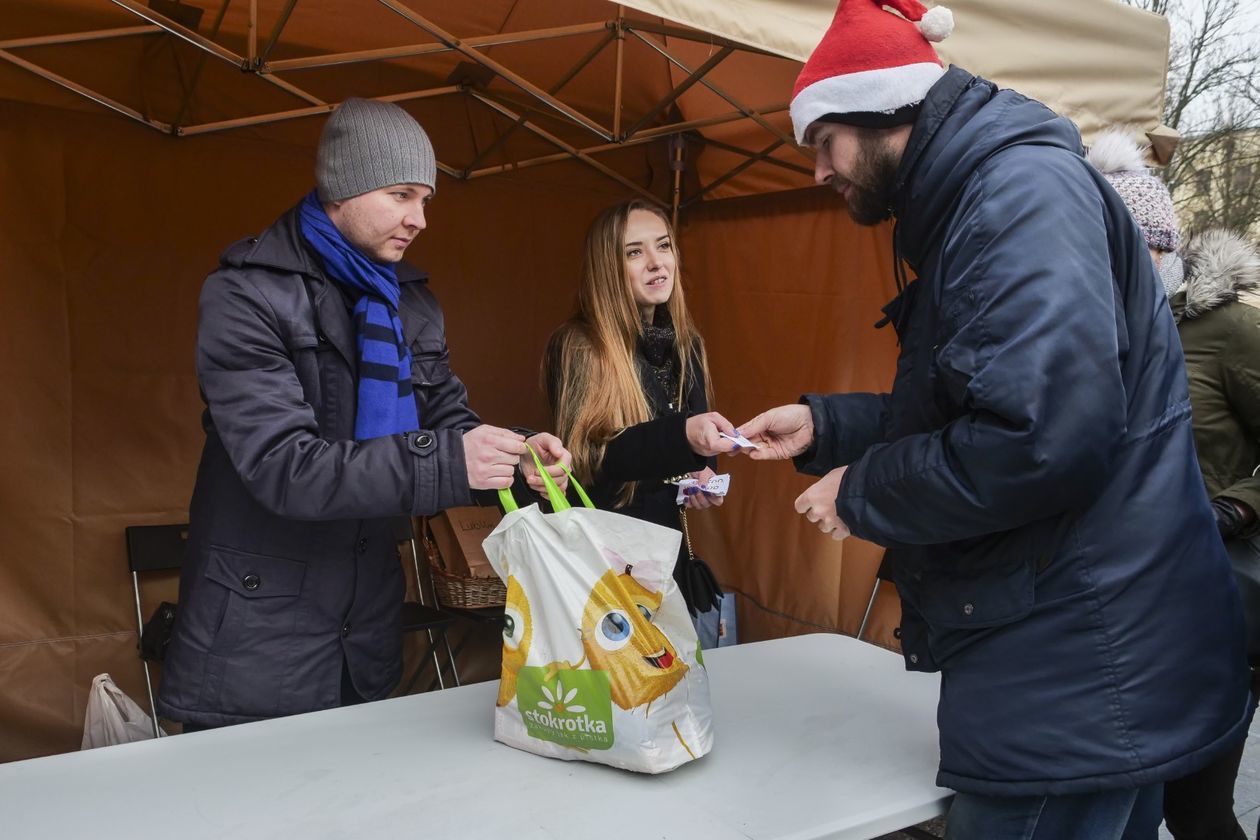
x=367, y=145
x=1119, y=158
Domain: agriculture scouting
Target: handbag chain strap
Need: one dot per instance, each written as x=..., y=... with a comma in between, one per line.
x=682, y=514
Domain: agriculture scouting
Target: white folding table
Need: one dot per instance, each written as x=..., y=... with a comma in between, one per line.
x=817, y=736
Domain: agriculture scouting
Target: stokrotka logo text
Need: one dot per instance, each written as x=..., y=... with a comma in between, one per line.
x=567, y=724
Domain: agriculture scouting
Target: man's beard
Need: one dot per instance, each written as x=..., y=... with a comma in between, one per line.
x=871, y=185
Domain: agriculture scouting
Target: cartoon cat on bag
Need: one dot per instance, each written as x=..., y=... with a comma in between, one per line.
x=617, y=636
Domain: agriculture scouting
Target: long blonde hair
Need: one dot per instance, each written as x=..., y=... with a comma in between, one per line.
x=589, y=370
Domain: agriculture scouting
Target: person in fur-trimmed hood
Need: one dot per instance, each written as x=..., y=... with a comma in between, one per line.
x=1217, y=310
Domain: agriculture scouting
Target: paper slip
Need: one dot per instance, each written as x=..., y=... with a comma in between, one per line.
x=740, y=441
x=718, y=485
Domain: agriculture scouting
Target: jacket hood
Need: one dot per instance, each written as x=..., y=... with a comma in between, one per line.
x=1221, y=266
x=964, y=121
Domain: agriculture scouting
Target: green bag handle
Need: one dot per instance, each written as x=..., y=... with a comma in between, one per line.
x=554, y=494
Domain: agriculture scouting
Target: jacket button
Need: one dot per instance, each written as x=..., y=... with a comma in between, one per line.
x=896, y=632
x=251, y=582
x=968, y=609
x=345, y=630
x=363, y=546
x=914, y=659
x=421, y=443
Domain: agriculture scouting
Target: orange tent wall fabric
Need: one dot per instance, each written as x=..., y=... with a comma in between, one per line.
x=110, y=230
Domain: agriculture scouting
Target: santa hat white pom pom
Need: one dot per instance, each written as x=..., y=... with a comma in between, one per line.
x=937, y=24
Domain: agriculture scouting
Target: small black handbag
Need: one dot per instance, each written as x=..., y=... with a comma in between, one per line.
x=156, y=634
x=699, y=587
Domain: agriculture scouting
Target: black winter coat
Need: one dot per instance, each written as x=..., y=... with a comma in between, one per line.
x=291, y=565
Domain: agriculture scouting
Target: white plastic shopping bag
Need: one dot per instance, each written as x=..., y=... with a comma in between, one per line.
x=113, y=717
x=600, y=658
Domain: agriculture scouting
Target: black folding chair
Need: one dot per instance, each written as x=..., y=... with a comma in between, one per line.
x=418, y=616
x=152, y=548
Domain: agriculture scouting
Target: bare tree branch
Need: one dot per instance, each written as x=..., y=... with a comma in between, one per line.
x=1213, y=100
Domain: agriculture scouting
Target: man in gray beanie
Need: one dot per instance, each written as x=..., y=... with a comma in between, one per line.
x=331, y=410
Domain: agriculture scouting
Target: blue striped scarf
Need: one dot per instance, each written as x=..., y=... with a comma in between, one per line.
x=386, y=405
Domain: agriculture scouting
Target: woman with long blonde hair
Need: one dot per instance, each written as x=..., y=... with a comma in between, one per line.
x=627, y=381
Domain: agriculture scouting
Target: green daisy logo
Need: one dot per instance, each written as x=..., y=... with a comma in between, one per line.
x=573, y=708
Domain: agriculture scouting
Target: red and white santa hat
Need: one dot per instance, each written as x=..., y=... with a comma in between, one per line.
x=872, y=66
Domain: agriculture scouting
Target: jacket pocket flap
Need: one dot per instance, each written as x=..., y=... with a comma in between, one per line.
x=987, y=581
x=1005, y=594
x=255, y=575
x=299, y=334
x=430, y=362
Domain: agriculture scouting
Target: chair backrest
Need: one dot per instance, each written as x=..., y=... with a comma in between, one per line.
x=151, y=548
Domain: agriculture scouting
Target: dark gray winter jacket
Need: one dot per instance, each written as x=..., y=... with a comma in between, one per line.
x=291, y=564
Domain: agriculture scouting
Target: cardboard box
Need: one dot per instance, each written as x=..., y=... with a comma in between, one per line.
x=458, y=533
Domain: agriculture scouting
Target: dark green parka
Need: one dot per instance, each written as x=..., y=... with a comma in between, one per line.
x=1218, y=317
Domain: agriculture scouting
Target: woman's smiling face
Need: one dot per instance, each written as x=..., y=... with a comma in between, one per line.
x=648, y=251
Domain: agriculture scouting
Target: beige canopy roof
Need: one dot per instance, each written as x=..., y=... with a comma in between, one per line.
x=586, y=79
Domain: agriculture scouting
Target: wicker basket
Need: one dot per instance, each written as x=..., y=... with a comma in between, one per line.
x=454, y=590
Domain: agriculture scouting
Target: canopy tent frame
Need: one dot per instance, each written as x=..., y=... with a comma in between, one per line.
x=257, y=62
x=781, y=29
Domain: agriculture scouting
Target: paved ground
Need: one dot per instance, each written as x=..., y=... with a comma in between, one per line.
x=1246, y=794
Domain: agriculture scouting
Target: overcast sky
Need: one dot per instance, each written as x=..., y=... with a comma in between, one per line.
x=1247, y=29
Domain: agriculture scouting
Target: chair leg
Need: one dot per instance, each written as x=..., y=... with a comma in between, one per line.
x=450, y=657
x=869, y=606
x=437, y=666
x=148, y=685
x=423, y=665
x=415, y=562
x=446, y=639
x=148, y=680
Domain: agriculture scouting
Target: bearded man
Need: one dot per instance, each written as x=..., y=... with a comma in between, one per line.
x=1032, y=473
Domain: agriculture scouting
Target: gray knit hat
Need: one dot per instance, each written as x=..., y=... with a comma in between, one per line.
x=1119, y=158
x=367, y=145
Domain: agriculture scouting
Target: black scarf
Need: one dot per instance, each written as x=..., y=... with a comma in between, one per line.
x=658, y=359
